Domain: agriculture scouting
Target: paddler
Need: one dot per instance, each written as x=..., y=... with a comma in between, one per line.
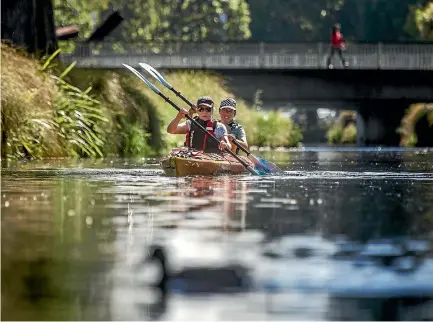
x=227, y=112
x=196, y=138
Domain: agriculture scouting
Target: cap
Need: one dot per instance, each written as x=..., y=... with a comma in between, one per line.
x=228, y=103
x=205, y=100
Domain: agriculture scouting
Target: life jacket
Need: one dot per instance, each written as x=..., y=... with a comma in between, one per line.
x=197, y=139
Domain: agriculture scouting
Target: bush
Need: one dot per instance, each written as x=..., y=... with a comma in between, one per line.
x=344, y=129
x=274, y=131
x=414, y=114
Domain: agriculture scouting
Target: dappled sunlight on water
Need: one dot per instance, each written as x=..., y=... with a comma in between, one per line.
x=76, y=235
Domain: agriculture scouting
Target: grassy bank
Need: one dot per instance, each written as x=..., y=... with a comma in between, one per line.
x=51, y=111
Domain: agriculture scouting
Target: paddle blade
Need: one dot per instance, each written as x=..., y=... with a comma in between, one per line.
x=152, y=87
x=152, y=71
x=272, y=167
x=264, y=166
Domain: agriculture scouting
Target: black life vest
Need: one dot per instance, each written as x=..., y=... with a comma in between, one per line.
x=197, y=139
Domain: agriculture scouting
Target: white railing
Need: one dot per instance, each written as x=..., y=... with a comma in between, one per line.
x=251, y=55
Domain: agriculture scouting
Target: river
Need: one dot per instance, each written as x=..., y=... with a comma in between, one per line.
x=75, y=232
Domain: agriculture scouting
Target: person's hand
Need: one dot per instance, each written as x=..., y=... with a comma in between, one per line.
x=231, y=137
x=192, y=110
x=181, y=114
x=223, y=145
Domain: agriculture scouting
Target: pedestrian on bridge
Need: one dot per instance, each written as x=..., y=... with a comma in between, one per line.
x=337, y=46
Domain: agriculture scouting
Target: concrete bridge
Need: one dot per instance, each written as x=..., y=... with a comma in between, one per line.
x=380, y=82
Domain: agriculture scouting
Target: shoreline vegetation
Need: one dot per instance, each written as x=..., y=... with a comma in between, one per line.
x=50, y=110
x=415, y=127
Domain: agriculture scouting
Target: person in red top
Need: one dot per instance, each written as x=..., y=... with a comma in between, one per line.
x=337, y=45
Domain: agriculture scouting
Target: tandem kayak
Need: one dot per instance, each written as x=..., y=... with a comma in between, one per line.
x=186, y=162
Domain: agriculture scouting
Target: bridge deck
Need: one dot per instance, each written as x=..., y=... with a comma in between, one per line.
x=252, y=56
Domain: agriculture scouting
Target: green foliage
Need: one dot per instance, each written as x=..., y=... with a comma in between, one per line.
x=27, y=113
x=135, y=140
x=132, y=116
x=413, y=115
x=155, y=20
x=299, y=21
x=232, y=20
x=275, y=131
x=70, y=115
x=83, y=13
x=419, y=23
x=335, y=134
x=26, y=140
x=379, y=20
x=186, y=20
x=349, y=134
x=80, y=120
x=344, y=129
x=292, y=20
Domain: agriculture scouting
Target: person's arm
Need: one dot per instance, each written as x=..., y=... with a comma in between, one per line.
x=174, y=127
x=241, y=138
x=222, y=135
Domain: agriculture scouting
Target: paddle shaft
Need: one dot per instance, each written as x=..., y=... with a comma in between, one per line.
x=169, y=101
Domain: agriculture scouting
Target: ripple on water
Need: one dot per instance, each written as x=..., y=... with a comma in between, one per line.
x=348, y=175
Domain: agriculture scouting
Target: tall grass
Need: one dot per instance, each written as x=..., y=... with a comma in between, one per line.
x=27, y=107
x=70, y=115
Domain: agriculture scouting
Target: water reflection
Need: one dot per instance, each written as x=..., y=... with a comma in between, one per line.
x=74, y=235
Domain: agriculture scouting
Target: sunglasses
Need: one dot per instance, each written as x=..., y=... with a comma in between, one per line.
x=207, y=109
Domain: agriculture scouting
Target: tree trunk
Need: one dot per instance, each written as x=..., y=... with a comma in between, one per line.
x=29, y=24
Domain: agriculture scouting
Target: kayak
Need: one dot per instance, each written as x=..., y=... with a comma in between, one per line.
x=187, y=162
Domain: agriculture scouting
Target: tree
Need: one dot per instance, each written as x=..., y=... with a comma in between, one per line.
x=419, y=23
x=300, y=21
x=185, y=20
x=293, y=20
x=375, y=20
x=29, y=24
x=83, y=13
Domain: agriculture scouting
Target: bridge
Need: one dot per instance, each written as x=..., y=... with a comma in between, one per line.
x=380, y=81
x=251, y=56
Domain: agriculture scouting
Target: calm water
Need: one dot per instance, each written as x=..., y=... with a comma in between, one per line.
x=74, y=233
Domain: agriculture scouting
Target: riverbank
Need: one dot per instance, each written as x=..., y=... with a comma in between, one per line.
x=50, y=110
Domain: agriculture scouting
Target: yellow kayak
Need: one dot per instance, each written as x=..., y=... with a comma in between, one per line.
x=186, y=162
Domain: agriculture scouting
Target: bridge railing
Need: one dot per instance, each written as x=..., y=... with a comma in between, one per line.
x=251, y=55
